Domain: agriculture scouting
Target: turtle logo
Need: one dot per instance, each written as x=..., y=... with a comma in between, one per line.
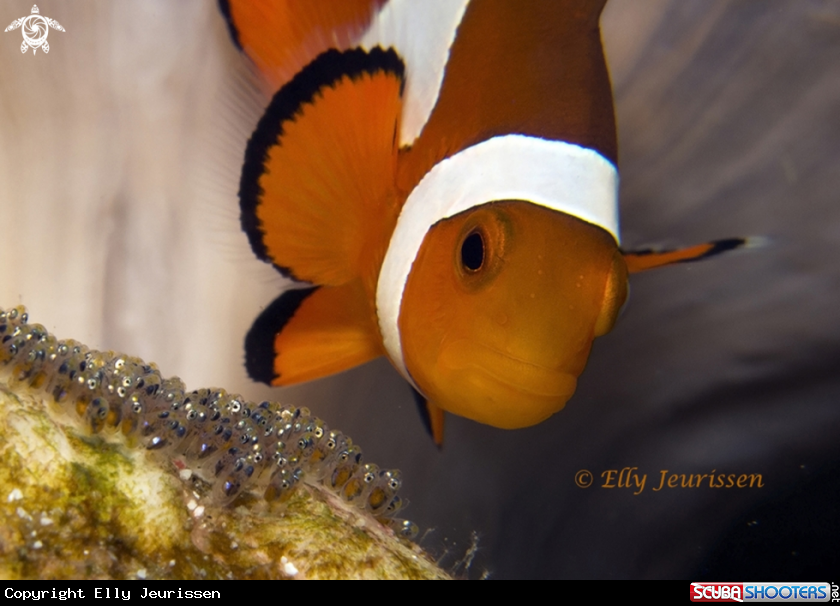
x=35, y=30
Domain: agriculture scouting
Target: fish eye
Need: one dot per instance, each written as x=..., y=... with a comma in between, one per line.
x=472, y=252
x=480, y=239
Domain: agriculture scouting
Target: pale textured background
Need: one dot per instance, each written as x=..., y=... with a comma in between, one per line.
x=119, y=159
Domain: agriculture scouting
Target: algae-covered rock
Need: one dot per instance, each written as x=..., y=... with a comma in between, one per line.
x=77, y=505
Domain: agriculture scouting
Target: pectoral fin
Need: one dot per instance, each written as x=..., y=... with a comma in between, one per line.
x=641, y=260
x=310, y=333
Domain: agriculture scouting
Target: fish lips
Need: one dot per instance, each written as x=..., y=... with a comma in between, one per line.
x=499, y=388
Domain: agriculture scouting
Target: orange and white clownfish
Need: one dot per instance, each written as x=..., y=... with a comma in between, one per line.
x=443, y=174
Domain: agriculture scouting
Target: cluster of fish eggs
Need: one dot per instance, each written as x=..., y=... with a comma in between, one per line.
x=236, y=445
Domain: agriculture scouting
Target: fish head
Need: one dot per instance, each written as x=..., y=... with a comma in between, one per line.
x=501, y=307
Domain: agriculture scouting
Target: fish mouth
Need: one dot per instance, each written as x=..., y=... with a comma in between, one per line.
x=522, y=376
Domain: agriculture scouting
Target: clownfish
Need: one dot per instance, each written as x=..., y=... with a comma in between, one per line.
x=443, y=175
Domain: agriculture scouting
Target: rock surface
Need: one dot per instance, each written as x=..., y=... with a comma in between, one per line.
x=81, y=507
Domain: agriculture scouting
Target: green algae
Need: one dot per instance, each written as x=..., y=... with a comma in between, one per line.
x=81, y=507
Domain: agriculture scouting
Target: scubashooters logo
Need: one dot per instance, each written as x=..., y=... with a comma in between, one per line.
x=761, y=592
x=35, y=29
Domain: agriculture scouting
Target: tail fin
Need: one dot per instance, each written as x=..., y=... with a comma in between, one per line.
x=282, y=36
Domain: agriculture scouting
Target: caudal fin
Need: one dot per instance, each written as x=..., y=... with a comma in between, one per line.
x=282, y=36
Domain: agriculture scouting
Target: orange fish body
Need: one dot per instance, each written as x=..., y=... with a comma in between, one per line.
x=443, y=174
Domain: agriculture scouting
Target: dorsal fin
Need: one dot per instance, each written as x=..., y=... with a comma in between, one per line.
x=317, y=188
x=282, y=36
